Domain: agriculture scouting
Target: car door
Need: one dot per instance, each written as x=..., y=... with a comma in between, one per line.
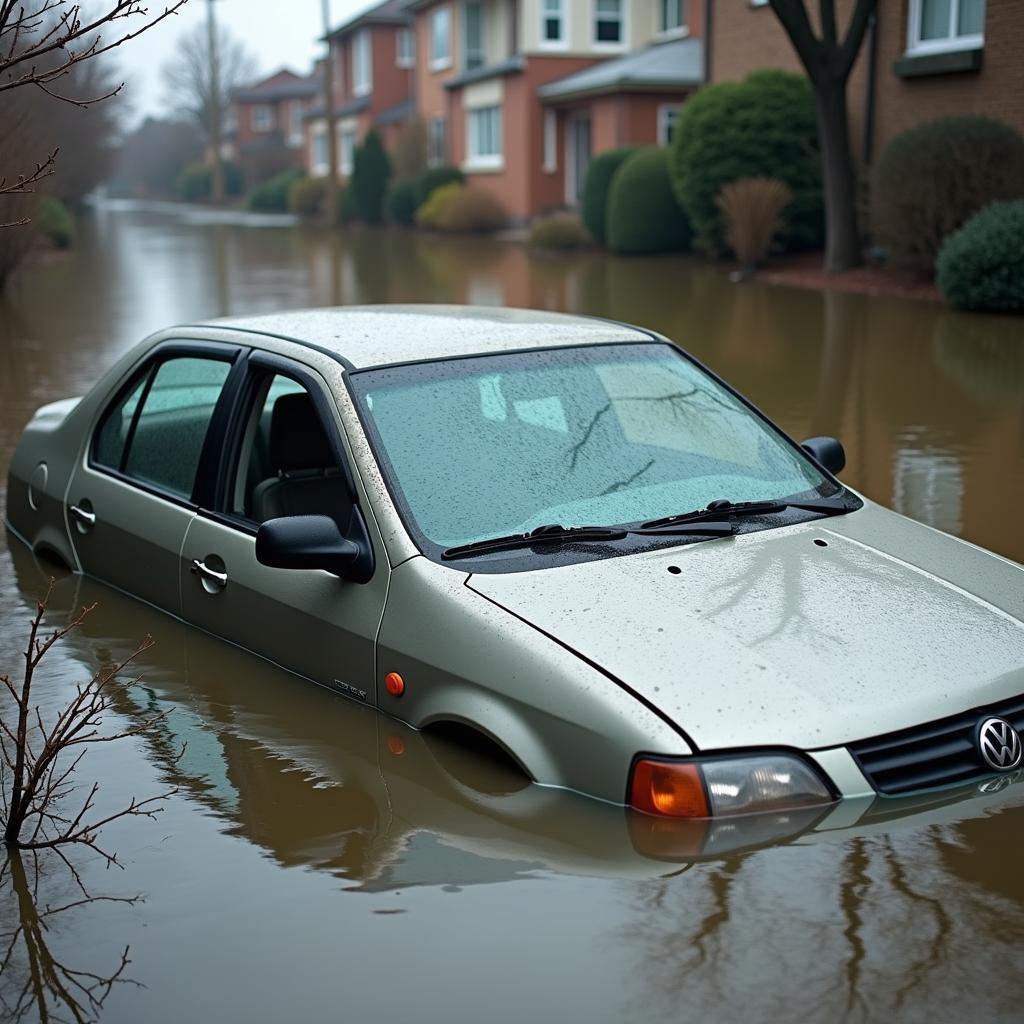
x=133, y=493
x=285, y=456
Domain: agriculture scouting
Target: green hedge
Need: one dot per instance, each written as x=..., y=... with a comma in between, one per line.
x=762, y=127
x=931, y=179
x=54, y=222
x=271, y=196
x=643, y=214
x=195, y=183
x=371, y=169
x=400, y=202
x=981, y=265
x=594, y=206
x=433, y=178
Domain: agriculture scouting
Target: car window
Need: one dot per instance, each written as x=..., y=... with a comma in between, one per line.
x=478, y=448
x=161, y=442
x=287, y=465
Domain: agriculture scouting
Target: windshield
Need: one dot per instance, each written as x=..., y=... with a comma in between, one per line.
x=478, y=448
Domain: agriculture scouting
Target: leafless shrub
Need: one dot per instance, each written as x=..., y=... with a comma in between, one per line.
x=752, y=208
x=39, y=759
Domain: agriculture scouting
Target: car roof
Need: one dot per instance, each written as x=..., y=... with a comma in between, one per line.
x=365, y=336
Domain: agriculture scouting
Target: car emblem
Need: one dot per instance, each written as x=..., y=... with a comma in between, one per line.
x=999, y=744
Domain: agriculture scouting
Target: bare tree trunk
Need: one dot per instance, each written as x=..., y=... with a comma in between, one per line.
x=217, y=178
x=331, y=195
x=842, y=235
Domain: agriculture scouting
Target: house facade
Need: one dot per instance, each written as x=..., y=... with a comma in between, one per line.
x=508, y=92
x=921, y=59
x=372, y=58
x=265, y=122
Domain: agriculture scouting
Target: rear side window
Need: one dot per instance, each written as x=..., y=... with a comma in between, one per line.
x=155, y=433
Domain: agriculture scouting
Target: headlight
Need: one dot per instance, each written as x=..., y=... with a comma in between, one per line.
x=720, y=786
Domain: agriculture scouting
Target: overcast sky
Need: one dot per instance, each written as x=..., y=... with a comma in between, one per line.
x=278, y=32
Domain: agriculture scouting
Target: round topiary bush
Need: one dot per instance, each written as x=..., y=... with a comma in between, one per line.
x=643, y=214
x=594, y=206
x=462, y=209
x=931, y=179
x=762, y=127
x=563, y=231
x=400, y=202
x=271, y=196
x=981, y=265
x=433, y=178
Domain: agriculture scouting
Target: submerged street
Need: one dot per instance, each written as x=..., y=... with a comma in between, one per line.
x=317, y=854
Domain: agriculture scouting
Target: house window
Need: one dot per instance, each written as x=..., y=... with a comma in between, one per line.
x=405, y=53
x=940, y=25
x=320, y=154
x=552, y=24
x=295, y=123
x=484, y=133
x=362, y=72
x=262, y=118
x=667, y=117
x=473, y=35
x=437, y=142
x=347, y=149
x=608, y=22
x=671, y=15
x=550, y=141
x=440, y=38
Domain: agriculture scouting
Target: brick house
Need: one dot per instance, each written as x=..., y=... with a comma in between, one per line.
x=922, y=59
x=265, y=122
x=504, y=89
x=372, y=57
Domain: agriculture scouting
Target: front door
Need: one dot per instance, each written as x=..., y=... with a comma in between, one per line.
x=132, y=496
x=287, y=458
x=577, y=157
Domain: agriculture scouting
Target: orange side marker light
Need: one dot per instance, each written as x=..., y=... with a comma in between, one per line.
x=396, y=744
x=672, y=788
x=395, y=684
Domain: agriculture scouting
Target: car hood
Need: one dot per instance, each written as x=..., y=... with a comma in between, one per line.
x=807, y=636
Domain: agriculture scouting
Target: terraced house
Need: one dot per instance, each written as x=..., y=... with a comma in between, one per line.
x=372, y=57
x=520, y=93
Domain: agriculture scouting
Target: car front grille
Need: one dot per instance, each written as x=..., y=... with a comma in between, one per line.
x=940, y=753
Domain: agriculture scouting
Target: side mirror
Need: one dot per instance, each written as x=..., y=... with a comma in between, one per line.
x=313, y=542
x=827, y=452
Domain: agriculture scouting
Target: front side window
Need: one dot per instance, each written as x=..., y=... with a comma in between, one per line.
x=473, y=32
x=321, y=156
x=440, y=37
x=608, y=22
x=485, y=134
x=552, y=25
x=937, y=25
x=484, y=447
x=347, y=150
x=437, y=142
x=671, y=15
x=405, y=48
x=667, y=117
x=262, y=118
x=155, y=433
x=361, y=63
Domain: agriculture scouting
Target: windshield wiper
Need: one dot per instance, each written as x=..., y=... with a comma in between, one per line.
x=723, y=508
x=557, y=534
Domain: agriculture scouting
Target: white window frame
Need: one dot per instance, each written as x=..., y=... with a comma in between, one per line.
x=493, y=160
x=362, y=63
x=440, y=60
x=347, y=142
x=405, y=48
x=553, y=10
x=606, y=47
x=550, y=164
x=481, y=54
x=916, y=45
x=668, y=114
x=261, y=117
x=674, y=31
x=293, y=135
x=319, y=164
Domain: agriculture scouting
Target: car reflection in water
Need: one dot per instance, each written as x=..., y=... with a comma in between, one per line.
x=319, y=781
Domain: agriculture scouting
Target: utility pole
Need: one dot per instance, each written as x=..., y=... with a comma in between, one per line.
x=216, y=115
x=331, y=196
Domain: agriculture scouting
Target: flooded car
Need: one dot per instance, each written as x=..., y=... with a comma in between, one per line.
x=560, y=536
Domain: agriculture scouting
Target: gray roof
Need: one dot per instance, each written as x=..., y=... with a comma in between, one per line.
x=396, y=114
x=297, y=87
x=391, y=12
x=379, y=335
x=356, y=106
x=510, y=66
x=674, y=66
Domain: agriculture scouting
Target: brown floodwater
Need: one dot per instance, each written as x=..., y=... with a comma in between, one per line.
x=319, y=861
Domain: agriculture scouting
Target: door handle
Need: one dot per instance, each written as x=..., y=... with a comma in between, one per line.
x=218, y=578
x=84, y=516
